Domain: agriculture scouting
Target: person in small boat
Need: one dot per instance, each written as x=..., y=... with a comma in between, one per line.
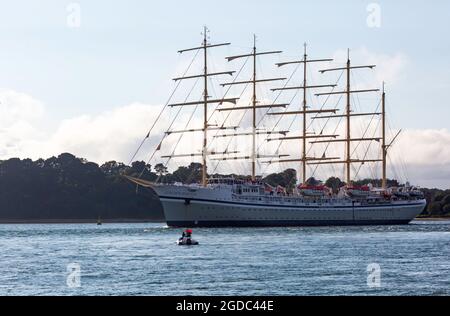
x=183, y=235
x=188, y=236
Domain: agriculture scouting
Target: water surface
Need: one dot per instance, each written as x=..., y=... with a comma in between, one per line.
x=142, y=259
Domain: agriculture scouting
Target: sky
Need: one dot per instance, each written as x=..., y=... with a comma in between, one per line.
x=89, y=76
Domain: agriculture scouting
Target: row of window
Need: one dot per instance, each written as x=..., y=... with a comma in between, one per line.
x=213, y=208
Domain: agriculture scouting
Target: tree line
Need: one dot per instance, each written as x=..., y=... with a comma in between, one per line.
x=67, y=188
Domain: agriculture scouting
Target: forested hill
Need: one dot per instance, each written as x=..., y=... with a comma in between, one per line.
x=67, y=188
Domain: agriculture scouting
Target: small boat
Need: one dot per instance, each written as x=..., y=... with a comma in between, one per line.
x=187, y=242
x=186, y=239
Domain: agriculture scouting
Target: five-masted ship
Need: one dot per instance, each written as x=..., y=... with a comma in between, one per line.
x=230, y=201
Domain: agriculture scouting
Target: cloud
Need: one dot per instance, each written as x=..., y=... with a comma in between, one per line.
x=16, y=106
x=425, y=154
x=109, y=135
x=18, y=114
x=389, y=67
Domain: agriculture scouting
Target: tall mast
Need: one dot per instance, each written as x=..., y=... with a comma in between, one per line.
x=383, y=139
x=304, y=112
x=347, y=161
x=305, y=57
x=205, y=109
x=254, y=112
x=253, y=107
x=205, y=102
x=347, y=134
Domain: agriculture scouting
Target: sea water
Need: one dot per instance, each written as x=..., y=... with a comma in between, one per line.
x=143, y=259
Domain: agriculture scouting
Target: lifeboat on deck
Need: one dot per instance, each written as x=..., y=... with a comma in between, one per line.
x=358, y=191
x=313, y=190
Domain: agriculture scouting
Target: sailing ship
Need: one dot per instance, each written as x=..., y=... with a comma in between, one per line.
x=237, y=202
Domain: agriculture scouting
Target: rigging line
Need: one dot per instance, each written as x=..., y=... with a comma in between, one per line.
x=230, y=112
x=324, y=103
x=292, y=123
x=226, y=92
x=402, y=158
x=279, y=94
x=401, y=161
x=367, y=151
x=233, y=137
x=367, y=128
x=170, y=127
x=281, y=142
x=321, y=108
x=328, y=120
x=359, y=108
x=181, y=107
x=393, y=169
x=322, y=128
x=186, y=126
x=281, y=117
x=160, y=113
x=229, y=88
x=227, y=116
x=328, y=145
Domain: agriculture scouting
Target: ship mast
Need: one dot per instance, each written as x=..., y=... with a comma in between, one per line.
x=205, y=107
x=205, y=102
x=254, y=112
x=348, y=130
x=254, y=106
x=305, y=57
x=348, y=161
x=304, y=112
x=383, y=139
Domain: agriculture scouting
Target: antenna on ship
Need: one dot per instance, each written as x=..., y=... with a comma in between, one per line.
x=304, y=112
x=348, y=140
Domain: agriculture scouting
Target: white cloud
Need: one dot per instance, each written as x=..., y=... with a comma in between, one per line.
x=18, y=113
x=16, y=106
x=389, y=68
x=426, y=156
x=109, y=135
x=424, y=147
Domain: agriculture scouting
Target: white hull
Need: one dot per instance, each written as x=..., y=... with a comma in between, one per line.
x=218, y=207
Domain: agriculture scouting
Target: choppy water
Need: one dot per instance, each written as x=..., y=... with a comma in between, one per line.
x=142, y=259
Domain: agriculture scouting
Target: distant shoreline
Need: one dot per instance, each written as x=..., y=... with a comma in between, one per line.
x=80, y=221
x=432, y=219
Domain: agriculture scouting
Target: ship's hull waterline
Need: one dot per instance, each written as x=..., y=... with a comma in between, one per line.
x=187, y=210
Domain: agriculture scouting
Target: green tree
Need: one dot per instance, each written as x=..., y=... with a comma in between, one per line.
x=446, y=210
x=335, y=184
x=160, y=169
x=435, y=209
x=190, y=174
